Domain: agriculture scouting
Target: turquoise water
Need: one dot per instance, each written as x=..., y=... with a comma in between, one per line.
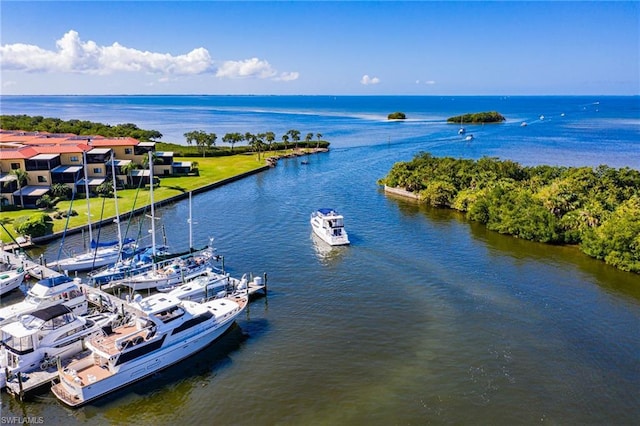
x=425, y=318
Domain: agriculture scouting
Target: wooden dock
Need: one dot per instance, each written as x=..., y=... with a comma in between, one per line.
x=24, y=384
x=36, y=269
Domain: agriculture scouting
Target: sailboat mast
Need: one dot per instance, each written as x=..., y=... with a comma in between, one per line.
x=115, y=196
x=190, y=222
x=153, y=214
x=86, y=189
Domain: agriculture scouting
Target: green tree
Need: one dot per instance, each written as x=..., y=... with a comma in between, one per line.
x=319, y=136
x=45, y=202
x=295, y=137
x=61, y=191
x=22, y=177
x=270, y=137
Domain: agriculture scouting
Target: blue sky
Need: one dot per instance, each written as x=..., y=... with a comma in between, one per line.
x=320, y=47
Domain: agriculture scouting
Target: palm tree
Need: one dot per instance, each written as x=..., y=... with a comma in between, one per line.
x=22, y=177
x=60, y=190
x=128, y=168
x=285, y=139
x=318, y=135
x=295, y=137
x=270, y=137
x=307, y=139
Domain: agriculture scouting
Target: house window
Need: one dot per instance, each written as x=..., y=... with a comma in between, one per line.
x=15, y=166
x=97, y=170
x=74, y=158
x=42, y=179
x=128, y=151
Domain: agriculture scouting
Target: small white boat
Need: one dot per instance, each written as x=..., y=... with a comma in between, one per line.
x=329, y=226
x=11, y=279
x=462, y=131
x=468, y=138
x=172, y=272
x=36, y=341
x=165, y=331
x=97, y=257
x=124, y=268
x=523, y=124
x=211, y=285
x=48, y=292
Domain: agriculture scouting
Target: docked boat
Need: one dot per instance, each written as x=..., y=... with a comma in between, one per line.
x=36, y=341
x=164, y=331
x=126, y=268
x=329, y=226
x=48, y=292
x=100, y=255
x=173, y=271
x=211, y=285
x=10, y=279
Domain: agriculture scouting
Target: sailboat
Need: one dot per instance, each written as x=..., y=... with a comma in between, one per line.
x=142, y=261
x=177, y=269
x=100, y=254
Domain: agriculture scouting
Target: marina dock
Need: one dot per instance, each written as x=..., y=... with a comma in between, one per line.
x=23, y=384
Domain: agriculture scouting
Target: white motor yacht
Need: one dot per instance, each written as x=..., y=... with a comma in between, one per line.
x=36, y=341
x=329, y=226
x=48, y=292
x=164, y=331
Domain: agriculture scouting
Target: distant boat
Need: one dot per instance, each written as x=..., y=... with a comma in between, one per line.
x=329, y=225
x=523, y=124
x=461, y=130
x=469, y=138
x=542, y=117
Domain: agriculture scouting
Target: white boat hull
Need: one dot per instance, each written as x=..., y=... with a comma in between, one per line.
x=137, y=370
x=10, y=280
x=88, y=261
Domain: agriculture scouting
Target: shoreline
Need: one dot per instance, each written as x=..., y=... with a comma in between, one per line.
x=270, y=163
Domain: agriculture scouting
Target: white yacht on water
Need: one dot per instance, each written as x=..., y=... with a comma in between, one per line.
x=164, y=331
x=36, y=341
x=329, y=225
x=48, y=292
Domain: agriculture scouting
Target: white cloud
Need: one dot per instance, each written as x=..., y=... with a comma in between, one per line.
x=366, y=80
x=288, y=76
x=76, y=56
x=253, y=67
x=430, y=82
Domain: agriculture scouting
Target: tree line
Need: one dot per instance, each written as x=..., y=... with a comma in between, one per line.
x=76, y=127
x=597, y=209
x=478, y=117
x=258, y=142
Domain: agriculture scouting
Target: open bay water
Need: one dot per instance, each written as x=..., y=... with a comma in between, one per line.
x=426, y=318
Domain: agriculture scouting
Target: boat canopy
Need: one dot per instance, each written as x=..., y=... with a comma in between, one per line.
x=51, y=312
x=95, y=244
x=54, y=281
x=326, y=211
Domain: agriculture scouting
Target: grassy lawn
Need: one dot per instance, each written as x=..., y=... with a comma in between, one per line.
x=212, y=169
